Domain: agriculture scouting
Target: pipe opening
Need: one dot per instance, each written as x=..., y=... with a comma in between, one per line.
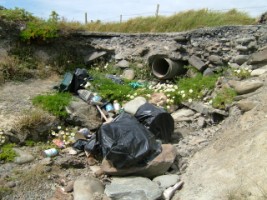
x=164, y=68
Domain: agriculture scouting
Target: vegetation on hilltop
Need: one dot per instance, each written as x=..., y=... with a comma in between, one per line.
x=181, y=21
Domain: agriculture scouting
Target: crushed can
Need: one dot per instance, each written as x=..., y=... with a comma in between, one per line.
x=50, y=152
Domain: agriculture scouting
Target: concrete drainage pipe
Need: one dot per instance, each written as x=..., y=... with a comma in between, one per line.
x=164, y=68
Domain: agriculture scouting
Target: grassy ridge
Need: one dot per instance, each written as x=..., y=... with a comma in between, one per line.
x=182, y=21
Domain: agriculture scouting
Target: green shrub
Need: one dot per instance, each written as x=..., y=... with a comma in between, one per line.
x=223, y=98
x=7, y=153
x=54, y=103
x=16, y=14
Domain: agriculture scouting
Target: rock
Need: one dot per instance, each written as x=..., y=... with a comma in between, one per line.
x=204, y=109
x=197, y=63
x=201, y=122
x=133, y=188
x=93, y=56
x=259, y=71
x=158, y=99
x=11, y=184
x=46, y=161
x=83, y=114
x=156, y=167
x=259, y=57
x=166, y=181
x=215, y=59
x=240, y=59
x=245, y=105
x=23, y=156
x=69, y=187
x=122, y=64
x=180, y=114
x=69, y=161
x=128, y=74
x=244, y=87
x=133, y=105
x=208, y=72
x=85, y=188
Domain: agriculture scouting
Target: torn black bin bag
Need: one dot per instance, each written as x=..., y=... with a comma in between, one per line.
x=80, y=79
x=157, y=120
x=127, y=143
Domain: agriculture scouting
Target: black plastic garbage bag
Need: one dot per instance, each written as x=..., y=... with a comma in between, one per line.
x=80, y=79
x=157, y=120
x=91, y=145
x=126, y=143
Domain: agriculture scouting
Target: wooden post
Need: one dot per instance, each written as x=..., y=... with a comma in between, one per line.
x=85, y=15
x=157, y=11
x=120, y=18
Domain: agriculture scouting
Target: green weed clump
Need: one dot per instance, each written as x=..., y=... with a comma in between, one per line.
x=195, y=88
x=4, y=191
x=7, y=154
x=223, y=98
x=54, y=103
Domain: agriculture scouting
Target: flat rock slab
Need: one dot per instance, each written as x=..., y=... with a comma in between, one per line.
x=244, y=87
x=133, y=188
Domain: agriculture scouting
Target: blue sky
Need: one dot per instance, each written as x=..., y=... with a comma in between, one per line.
x=110, y=10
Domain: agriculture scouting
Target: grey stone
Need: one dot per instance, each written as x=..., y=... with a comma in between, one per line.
x=241, y=48
x=128, y=74
x=158, y=166
x=245, y=105
x=94, y=55
x=122, y=64
x=259, y=71
x=83, y=114
x=23, y=156
x=166, y=181
x=182, y=113
x=208, y=72
x=244, y=87
x=133, y=105
x=85, y=188
x=215, y=59
x=197, y=63
x=240, y=59
x=204, y=109
x=245, y=40
x=133, y=188
x=259, y=57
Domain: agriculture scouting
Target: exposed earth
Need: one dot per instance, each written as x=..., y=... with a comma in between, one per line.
x=232, y=165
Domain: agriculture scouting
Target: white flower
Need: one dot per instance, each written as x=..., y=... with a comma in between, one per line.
x=59, y=127
x=190, y=91
x=148, y=95
x=190, y=100
x=131, y=97
x=176, y=87
x=53, y=133
x=135, y=94
x=168, y=107
x=72, y=134
x=210, y=102
x=182, y=92
x=238, y=71
x=168, y=95
x=183, y=95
